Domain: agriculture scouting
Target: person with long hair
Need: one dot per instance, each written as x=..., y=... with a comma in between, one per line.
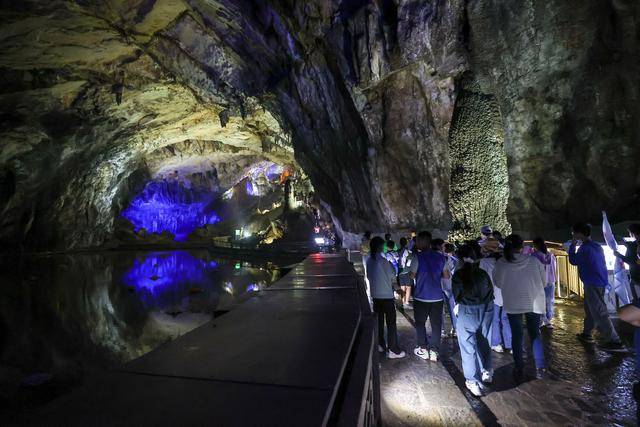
x=521, y=278
x=382, y=277
x=428, y=268
x=588, y=256
x=405, y=258
x=473, y=291
x=547, y=259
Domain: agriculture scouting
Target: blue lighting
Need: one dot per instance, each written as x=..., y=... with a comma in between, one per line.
x=250, y=188
x=162, y=270
x=170, y=206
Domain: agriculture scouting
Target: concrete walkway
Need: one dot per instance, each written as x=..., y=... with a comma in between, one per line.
x=585, y=387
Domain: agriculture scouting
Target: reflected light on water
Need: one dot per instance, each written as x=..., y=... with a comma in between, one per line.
x=162, y=270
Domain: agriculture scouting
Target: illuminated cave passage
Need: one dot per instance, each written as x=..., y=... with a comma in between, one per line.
x=359, y=96
x=132, y=131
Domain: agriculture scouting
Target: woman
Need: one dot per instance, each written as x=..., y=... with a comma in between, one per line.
x=382, y=276
x=473, y=291
x=547, y=259
x=404, y=263
x=521, y=278
x=428, y=267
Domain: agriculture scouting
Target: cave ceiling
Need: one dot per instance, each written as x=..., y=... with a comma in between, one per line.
x=371, y=98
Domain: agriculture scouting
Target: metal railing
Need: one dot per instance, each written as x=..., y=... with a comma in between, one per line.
x=359, y=404
x=567, y=277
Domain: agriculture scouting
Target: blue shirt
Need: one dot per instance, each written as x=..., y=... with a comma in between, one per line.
x=430, y=265
x=589, y=259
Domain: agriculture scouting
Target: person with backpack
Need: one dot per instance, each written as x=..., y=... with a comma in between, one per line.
x=428, y=268
x=473, y=291
x=382, y=277
x=521, y=278
x=405, y=258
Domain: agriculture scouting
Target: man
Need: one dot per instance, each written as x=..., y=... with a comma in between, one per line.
x=632, y=258
x=428, y=268
x=592, y=269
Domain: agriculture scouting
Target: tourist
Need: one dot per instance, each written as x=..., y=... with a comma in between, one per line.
x=428, y=268
x=632, y=258
x=521, y=278
x=382, y=278
x=485, y=233
x=473, y=291
x=450, y=302
x=365, y=250
x=390, y=254
x=404, y=272
x=588, y=256
x=547, y=259
x=500, y=329
x=498, y=236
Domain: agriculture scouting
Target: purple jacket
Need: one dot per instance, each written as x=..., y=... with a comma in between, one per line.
x=550, y=265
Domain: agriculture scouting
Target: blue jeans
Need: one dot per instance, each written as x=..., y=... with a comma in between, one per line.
x=474, y=328
x=450, y=302
x=533, y=328
x=501, y=331
x=549, y=293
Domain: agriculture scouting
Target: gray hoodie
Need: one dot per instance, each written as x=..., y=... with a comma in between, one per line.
x=522, y=284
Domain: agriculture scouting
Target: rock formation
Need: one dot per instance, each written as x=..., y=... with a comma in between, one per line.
x=367, y=97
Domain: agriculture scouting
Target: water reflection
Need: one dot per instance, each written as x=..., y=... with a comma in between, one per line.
x=63, y=316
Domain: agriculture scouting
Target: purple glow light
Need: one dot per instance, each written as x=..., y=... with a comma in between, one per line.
x=162, y=270
x=170, y=206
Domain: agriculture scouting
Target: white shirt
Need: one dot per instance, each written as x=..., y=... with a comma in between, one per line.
x=522, y=284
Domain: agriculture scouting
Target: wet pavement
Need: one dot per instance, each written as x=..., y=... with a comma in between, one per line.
x=585, y=385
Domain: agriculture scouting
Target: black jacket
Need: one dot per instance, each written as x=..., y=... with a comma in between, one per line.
x=631, y=258
x=481, y=291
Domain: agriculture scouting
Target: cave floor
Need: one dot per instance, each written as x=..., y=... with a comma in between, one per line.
x=585, y=386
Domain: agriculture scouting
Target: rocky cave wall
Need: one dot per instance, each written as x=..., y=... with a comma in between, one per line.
x=364, y=92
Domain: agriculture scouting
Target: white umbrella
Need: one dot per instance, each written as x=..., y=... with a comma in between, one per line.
x=620, y=276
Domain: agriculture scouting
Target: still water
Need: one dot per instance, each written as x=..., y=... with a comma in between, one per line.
x=63, y=317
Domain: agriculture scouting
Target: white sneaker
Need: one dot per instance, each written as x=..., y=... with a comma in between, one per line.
x=474, y=388
x=487, y=377
x=498, y=348
x=422, y=353
x=392, y=355
x=433, y=355
x=381, y=349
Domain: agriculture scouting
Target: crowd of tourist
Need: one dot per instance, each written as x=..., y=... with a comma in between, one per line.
x=493, y=289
